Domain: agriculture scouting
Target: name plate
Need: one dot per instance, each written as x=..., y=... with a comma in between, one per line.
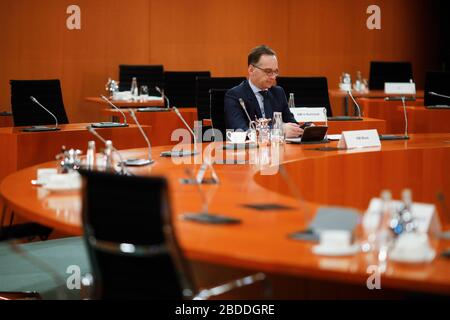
x=309, y=114
x=359, y=139
x=399, y=88
x=425, y=214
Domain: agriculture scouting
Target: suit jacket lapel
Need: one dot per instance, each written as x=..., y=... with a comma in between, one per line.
x=253, y=103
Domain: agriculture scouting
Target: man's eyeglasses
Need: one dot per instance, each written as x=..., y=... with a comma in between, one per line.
x=268, y=72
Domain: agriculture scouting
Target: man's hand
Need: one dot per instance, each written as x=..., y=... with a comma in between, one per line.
x=292, y=130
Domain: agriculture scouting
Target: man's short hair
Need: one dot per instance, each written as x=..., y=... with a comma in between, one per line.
x=256, y=53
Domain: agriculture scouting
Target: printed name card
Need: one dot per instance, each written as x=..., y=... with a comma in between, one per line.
x=359, y=139
x=399, y=88
x=309, y=114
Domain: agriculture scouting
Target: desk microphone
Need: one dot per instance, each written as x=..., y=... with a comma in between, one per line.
x=438, y=95
x=356, y=103
x=111, y=124
x=349, y=118
x=393, y=136
x=163, y=96
x=182, y=153
x=123, y=170
x=241, y=102
x=42, y=128
x=140, y=162
x=157, y=109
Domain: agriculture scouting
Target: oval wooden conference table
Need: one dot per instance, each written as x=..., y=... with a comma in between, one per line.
x=322, y=178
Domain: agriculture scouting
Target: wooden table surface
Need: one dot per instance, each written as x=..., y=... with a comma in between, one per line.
x=323, y=178
x=164, y=123
x=127, y=104
x=338, y=93
x=336, y=127
x=22, y=149
x=420, y=119
x=6, y=119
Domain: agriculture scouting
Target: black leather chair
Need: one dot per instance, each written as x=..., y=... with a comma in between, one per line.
x=308, y=91
x=439, y=83
x=131, y=240
x=383, y=71
x=47, y=92
x=218, y=112
x=149, y=75
x=202, y=98
x=179, y=86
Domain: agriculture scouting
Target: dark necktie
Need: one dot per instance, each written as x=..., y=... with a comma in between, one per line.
x=268, y=112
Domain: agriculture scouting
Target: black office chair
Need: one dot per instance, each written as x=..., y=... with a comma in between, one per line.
x=308, y=91
x=382, y=71
x=179, y=86
x=217, y=112
x=439, y=83
x=131, y=240
x=150, y=75
x=202, y=98
x=47, y=92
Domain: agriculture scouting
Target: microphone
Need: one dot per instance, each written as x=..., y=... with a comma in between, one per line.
x=163, y=96
x=438, y=95
x=349, y=118
x=111, y=124
x=123, y=170
x=356, y=103
x=42, y=128
x=393, y=136
x=182, y=153
x=154, y=109
x=140, y=162
x=241, y=102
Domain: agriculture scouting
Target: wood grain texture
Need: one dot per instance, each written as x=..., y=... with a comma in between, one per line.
x=420, y=119
x=260, y=242
x=312, y=38
x=23, y=149
x=163, y=123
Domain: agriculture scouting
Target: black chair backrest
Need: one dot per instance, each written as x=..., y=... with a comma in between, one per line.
x=218, y=112
x=179, y=86
x=308, y=91
x=202, y=99
x=135, y=212
x=437, y=82
x=382, y=71
x=47, y=92
x=149, y=75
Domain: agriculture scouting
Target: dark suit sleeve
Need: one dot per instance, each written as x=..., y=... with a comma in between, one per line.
x=287, y=114
x=235, y=117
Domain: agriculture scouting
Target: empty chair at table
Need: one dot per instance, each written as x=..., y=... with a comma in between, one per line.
x=151, y=76
x=179, y=87
x=28, y=113
x=385, y=71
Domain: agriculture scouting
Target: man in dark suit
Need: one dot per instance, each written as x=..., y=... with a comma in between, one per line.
x=260, y=95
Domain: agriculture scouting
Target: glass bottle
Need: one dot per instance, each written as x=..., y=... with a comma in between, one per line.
x=109, y=156
x=90, y=156
x=358, y=82
x=291, y=102
x=134, y=89
x=277, y=135
x=384, y=234
x=406, y=215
